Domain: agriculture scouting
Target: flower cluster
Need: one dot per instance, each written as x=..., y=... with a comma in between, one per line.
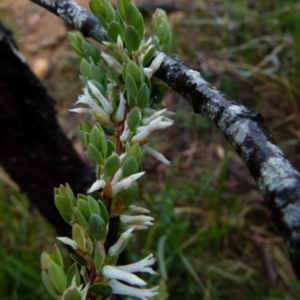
x=123, y=97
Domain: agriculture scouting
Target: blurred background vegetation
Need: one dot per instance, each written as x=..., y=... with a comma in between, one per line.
x=213, y=236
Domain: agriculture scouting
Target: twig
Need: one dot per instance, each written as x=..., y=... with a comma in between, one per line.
x=278, y=181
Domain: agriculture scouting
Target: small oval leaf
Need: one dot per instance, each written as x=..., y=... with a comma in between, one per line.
x=97, y=228
x=130, y=167
x=132, y=38
x=143, y=96
x=115, y=30
x=101, y=289
x=131, y=86
x=112, y=165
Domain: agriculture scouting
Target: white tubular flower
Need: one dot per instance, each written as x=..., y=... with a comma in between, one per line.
x=158, y=113
x=140, y=266
x=148, y=111
x=112, y=62
x=118, y=247
x=125, y=134
x=138, y=209
x=94, y=107
x=111, y=272
x=125, y=183
x=154, y=66
x=141, y=220
x=118, y=175
x=107, y=106
x=68, y=241
x=98, y=184
x=121, y=108
x=122, y=289
x=159, y=156
x=120, y=44
x=144, y=131
x=81, y=110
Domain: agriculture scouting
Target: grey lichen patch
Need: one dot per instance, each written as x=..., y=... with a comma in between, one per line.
x=230, y=114
x=276, y=175
x=71, y=13
x=291, y=215
x=237, y=131
x=50, y=3
x=194, y=77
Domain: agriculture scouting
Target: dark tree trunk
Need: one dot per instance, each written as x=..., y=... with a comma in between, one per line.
x=33, y=148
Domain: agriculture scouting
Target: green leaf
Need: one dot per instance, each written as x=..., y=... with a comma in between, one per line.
x=124, y=70
x=97, y=73
x=90, y=51
x=140, y=160
x=143, y=97
x=81, y=219
x=110, y=148
x=134, y=118
x=101, y=289
x=95, y=138
x=132, y=15
x=78, y=260
x=108, y=130
x=104, y=212
x=83, y=208
x=67, y=218
x=131, y=86
x=121, y=9
x=135, y=19
x=141, y=27
x=64, y=205
x=70, y=194
x=49, y=286
x=93, y=206
x=104, y=145
x=57, y=277
x=99, y=256
x=132, y=38
x=135, y=151
x=162, y=29
x=98, y=6
x=85, y=126
x=72, y=293
x=130, y=194
x=115, y=30
x=148, y=82
x=95, y=154
x=130, y=167
x=112, y=165
x=73, y=272
x=74, y=39
x=85, y=68
x=134, y=70
x=77, y=50
x=57, y=258
x=149, y=54
x=97, y=228
x=79, y=236
x=46, y=259
x=111, y=14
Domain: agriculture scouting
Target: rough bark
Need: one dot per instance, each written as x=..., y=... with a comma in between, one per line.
x=278, y=181
x=34, y=150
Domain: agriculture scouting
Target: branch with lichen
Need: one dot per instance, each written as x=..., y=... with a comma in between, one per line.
x=245, y=130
